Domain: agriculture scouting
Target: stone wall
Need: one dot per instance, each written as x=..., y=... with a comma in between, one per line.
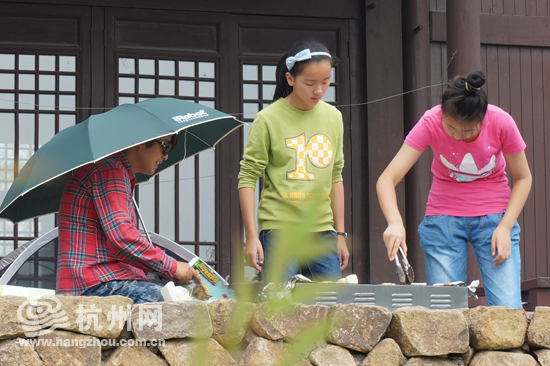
x=111, y=331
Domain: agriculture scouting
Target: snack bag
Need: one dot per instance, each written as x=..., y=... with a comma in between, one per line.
x=213, y=285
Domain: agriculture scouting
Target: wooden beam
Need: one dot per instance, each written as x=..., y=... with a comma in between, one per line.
x=540, y=282
x=508, y=30
x=304, y=8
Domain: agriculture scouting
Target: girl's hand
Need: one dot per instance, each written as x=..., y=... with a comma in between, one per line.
x=252, y=248
x=394, y=237
x=501, y=245
x=343, y=252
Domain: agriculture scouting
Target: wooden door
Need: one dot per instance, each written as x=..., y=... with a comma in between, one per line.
x=44, y=88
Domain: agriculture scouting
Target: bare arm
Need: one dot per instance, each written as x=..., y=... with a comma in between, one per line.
x=337, y=205
x=253, y=245
x=394, y=235
x=501, y=240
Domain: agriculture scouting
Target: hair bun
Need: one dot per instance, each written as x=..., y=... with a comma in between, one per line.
x=476, y=79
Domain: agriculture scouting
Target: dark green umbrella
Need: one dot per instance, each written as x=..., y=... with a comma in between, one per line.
x=39, y=185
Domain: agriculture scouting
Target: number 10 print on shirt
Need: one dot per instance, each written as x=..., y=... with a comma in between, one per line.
x=318, y=150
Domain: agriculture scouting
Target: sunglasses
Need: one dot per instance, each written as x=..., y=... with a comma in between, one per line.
x=168, y=147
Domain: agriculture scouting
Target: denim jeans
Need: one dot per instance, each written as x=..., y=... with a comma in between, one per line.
x=139, y=291
x=324, y=267
x=445, y=243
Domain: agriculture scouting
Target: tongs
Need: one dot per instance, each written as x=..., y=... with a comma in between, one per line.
x=403, y=268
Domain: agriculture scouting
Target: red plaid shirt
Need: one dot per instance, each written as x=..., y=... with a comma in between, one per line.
x=98, y=237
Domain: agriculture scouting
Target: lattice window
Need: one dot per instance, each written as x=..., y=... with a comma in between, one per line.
x=186, y=209
x=37, y=100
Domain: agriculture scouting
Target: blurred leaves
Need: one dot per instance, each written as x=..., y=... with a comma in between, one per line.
x=294, y=243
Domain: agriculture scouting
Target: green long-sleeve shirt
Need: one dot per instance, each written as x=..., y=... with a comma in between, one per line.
x=302, y=155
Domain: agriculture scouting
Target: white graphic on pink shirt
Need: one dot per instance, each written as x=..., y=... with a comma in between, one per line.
x=467, y=171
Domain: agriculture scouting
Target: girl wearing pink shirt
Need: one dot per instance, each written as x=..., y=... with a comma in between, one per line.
x=469, y=200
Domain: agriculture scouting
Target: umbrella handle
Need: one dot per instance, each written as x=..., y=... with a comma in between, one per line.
x=141, y=220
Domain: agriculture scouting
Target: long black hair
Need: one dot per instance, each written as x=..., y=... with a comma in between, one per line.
x=283, y=89
x=464, y=100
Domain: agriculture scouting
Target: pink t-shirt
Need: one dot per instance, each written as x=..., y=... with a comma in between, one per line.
x=469, y=177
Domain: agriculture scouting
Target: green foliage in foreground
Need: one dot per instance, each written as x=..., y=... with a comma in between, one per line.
x=295, y=243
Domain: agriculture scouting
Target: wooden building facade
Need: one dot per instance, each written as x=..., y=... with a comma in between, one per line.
x=62, y=60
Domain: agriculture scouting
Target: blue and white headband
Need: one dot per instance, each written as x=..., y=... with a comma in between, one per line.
x=302, y=56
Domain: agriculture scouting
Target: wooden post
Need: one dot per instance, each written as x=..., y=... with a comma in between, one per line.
x=384, y=72
x=463, y=37
x=416, y=75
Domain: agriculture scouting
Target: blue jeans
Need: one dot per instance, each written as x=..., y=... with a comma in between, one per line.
x=139, y=291
x=324, y=267
x=445, y=243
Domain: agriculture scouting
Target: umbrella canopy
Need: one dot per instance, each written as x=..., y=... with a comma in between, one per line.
x=38, y=187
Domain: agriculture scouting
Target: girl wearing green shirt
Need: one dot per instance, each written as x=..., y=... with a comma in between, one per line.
x=297, y=142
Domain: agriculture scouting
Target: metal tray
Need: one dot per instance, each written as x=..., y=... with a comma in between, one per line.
x=389, y=296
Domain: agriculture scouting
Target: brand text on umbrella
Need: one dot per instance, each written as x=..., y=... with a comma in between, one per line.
x=190, y=116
